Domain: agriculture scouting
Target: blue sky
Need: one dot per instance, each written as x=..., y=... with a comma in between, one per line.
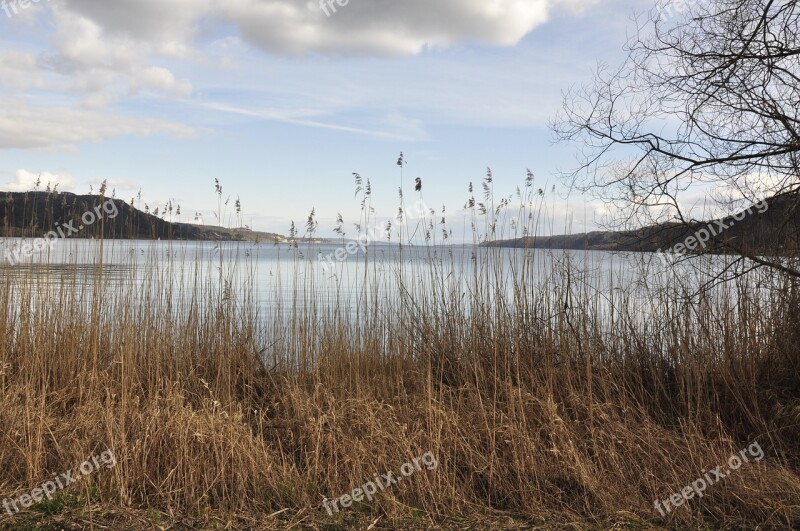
x=282, y=103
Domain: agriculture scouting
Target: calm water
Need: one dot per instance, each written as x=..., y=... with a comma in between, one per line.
x=282, y=276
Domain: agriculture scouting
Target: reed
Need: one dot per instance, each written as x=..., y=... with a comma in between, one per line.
x=545, y=401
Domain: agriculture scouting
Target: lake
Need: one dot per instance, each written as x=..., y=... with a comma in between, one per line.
x=284, y=277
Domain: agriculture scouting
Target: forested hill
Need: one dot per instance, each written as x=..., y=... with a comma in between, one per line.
x=777, y=229
x=33, y=214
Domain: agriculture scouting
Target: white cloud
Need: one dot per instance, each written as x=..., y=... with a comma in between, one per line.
x=26, y=181
x=361, y=27
x=168, y=26
x=382, y=27
x=161, y=80
x=102, y=53
x=63, y=181
x=18, y=70
x=98, y=60
x=83, y=43
x=25, y=127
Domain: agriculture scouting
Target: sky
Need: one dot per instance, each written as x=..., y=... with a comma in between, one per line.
x=283, y=100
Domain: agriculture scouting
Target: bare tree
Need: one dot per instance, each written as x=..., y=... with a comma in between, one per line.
x=707, y=101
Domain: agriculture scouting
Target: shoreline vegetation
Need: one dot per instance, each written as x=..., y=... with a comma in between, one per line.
x=31, y=214
x=556, y=406
x=488, y=388
x=776, y=227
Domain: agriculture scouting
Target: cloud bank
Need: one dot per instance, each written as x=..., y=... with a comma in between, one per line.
x=360, y=27
x=82, y=58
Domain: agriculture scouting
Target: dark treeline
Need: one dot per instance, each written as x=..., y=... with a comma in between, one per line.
x=33, y=214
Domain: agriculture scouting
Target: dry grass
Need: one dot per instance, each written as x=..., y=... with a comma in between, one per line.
x=222, y=416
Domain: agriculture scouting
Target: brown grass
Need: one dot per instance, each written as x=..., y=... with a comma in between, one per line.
x=224, y=416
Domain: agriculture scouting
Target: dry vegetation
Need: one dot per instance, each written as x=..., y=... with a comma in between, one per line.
x=224, y=415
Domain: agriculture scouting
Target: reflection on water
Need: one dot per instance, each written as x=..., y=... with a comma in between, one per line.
x=283, y=277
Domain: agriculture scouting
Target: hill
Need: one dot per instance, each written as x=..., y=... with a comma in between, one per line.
x=768, y=227
x=33, y=214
